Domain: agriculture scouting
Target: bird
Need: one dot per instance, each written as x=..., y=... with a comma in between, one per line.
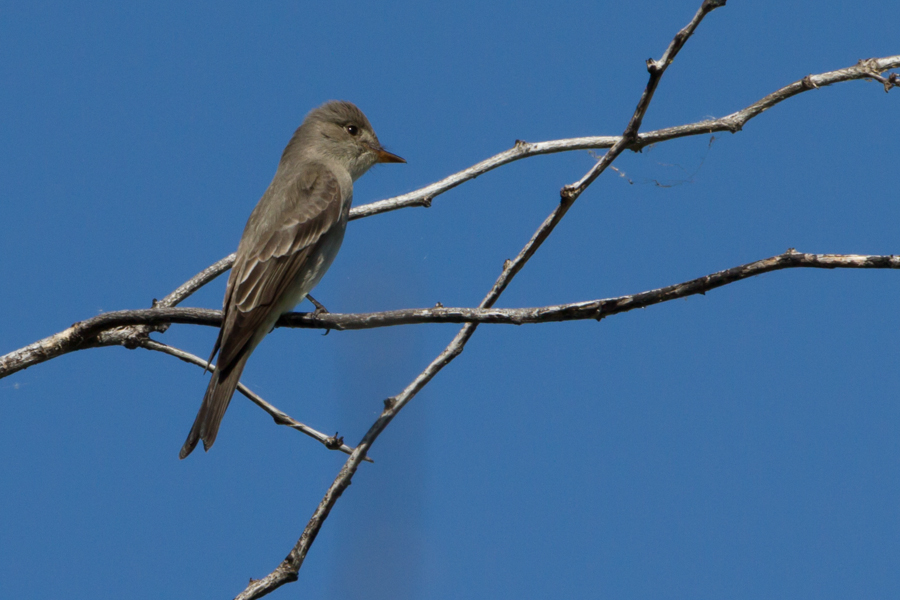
x=290, y=240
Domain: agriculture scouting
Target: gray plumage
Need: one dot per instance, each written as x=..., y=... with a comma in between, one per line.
x=289, y=242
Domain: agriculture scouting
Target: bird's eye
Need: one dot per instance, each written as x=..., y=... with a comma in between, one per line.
x=352, y=129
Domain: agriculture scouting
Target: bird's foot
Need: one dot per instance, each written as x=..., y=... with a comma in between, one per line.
x=320, y=310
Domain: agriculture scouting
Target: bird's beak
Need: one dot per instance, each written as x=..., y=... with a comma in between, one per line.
x=386, y=157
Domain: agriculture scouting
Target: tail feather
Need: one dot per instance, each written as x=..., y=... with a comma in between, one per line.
x=215, y=403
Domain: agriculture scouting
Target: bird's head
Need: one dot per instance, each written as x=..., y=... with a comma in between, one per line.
x=339, y=131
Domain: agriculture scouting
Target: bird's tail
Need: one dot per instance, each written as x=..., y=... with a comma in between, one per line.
x=215, y=403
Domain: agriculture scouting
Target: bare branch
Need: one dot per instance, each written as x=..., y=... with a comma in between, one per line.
x=864, y=69
x=331, y=442
x=112, y=322
x=121, y=328
x=657, y=68
x=594, y=309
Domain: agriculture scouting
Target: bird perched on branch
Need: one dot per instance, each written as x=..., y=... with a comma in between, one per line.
x=289, y=242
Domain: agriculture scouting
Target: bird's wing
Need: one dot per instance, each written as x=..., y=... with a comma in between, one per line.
x=276, y=244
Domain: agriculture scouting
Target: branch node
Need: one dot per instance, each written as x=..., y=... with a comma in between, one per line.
x=867, y=64
x=808, y=83
x=567, y=194
x=281, y=419
x=506, y=264
x=439, y=305
x=135, y=339
x=734, y=125
x=426, y=201
x=334, y=442
x=389, y=403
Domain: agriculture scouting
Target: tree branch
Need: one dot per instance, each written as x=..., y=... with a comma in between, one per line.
x=105, y=329
x=331, y=442
x=196, y=282
x=864, y=69
x=593, y=309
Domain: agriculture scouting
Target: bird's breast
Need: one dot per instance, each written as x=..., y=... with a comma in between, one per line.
x=320, y=259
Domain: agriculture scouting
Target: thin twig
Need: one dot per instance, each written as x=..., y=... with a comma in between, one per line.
x=281, y=418
x=196, y=282
x=657, y=69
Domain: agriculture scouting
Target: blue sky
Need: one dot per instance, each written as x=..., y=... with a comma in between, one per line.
x=743, y=444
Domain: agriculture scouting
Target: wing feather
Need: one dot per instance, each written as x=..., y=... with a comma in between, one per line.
x=273, y=250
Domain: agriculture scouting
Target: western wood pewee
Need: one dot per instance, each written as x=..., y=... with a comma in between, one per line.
x=289, y=242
